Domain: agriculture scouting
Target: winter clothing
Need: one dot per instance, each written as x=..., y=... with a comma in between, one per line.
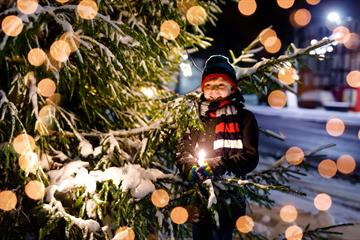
x=218, y=66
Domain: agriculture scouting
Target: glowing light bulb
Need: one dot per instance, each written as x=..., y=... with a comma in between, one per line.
x=244, y=224
x=322, y=201
x=60, y=50
x=295, y=155
x=160, y=198
x=294, y=233
x=72, y=39
x=23, y=143
x=335, y=127
x=288, y=213
x=46, y=87
x=87, y=9
x=28, y=162
x=346, y=164
x=179, y=215
x=327, y=168
x=201, y=159
x=285, y=3
x=124, y=233
x=196, y=15
x=277, y=99
x=12, y=25
x=247, y=7
x=36, y=57
x=27, y=6
x=8, y=200
x=169, y=30
x=35, y=190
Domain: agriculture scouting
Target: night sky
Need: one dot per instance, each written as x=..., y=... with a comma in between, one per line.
x=235, y=31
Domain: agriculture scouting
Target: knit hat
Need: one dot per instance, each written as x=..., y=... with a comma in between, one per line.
x=218, y=66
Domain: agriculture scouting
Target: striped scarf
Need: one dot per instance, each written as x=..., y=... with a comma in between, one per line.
x=227, y=131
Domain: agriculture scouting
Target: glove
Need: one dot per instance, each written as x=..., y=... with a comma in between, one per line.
x=200, y=173
x=216, y=165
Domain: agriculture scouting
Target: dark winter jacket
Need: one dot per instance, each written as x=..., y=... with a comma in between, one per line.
x=238, y=161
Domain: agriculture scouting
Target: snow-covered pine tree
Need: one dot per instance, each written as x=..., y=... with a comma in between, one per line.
x=88, y=124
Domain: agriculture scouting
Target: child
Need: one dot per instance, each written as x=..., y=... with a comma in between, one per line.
x=229, y=142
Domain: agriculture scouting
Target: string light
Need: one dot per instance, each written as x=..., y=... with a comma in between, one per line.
x=179, y=215
x=12, y=25
x=335, y=127
x=352, y=42
x=196, y=15
x=35, y=190
x=301, y=17
x=124, y=233
x=72, y=39
x=28, y=162
x=265, y=34
x=244, y=224
x=8, y=200
x=294, y=155
x=87, y=9
x=327, y=168
x=46, y=87
x=27, y=6
x=247, y=7
x=277, y=99
x=285, y=3
x=294, y=233
x=288, y=213
x=60, y=50
x=346, y=164
x=353, y=79
x=160, y=198
x=185, y=5
x=36, y=57
x=341, y=34
x=169, y=30
x=313, y=2
x=272, y=44
x=23, y=143
x=322, y=202
x=288, y=75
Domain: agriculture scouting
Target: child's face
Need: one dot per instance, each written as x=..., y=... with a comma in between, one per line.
x=216, y=89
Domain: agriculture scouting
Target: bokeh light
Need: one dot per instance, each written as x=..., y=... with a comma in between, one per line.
x=72, y=39
x=285, y=3
x=352, y=41
x=27, y=6
x=46, y=87
x=60, y=50
x=62, y=1
x=87, y=9
x=54, y=99
x=346, y=164
x=126, y=233
x=244, y=224
x=196, y=15
x=322, y=201
x=247, y=7
x=353, y=79
x=185, y=5
x=179, y=215
x=12, y=25
x=327, y=168
x=313, y=2
x=265, y=34
x=335, y=127
x=23, y=143
x=300, y=18
x=160, y=198
x=35, y=190
x=288, y=75
x=288, y=213
x=8, y=200
x=28, y=162
x=295, y=155
x=272, y=44
x=170, y=30
x=341, y=34
x=294, y=232
x=277, y=99
x=36, y=57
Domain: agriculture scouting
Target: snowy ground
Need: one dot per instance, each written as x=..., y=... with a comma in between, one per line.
x=345, y=206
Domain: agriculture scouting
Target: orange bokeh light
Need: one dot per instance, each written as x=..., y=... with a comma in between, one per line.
x=287, y=75
x=23, y=143
x=54, y=99
x=126, y=233
x=247, y=7
x=87, y=9
x=272, y=44
x=294, y=233
x=353, y=79
x=341, y=34
x=335, y=127
x=265, y=34
x=35, y=190
x=12, y=25
x=352, y=41
x=313, y=2
x=46, y=87
x=8, y=200
x=294, y=155
x=288, y=213
x=28, y=162
x=285, y=3
x=322, y=201
x=72, y=39
x=27, y=6
x=60, y=50
x=62, y=1
x=36, y=57
x=327, y=168
x=346, y=164
x=179, y=215
x=170, y=30
x=185, y=5
x=196, y=15
x=244, y=224
x=160, y=198
x=277, y=99
x=301, y=17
